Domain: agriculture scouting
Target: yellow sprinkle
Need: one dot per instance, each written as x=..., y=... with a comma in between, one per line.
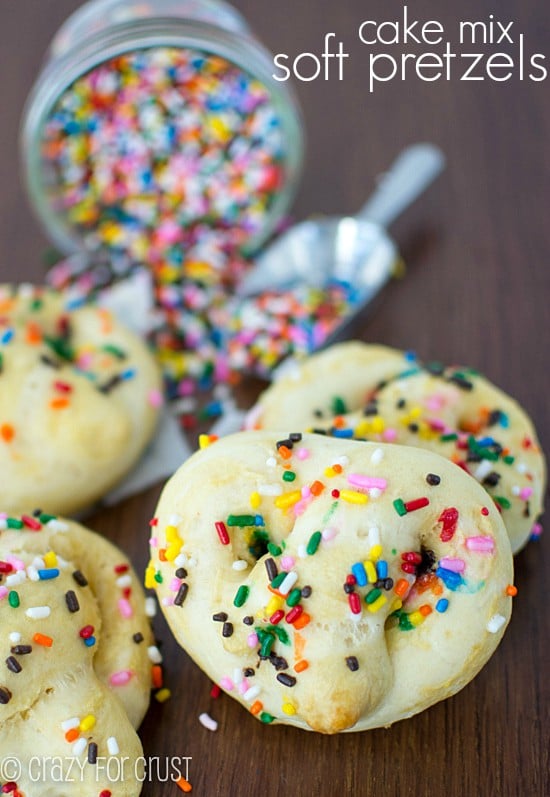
x=274, y=604
x=173, y=550
x=289, y=709
x=171, y=533
x=362, y=429
x=353, y=497
x=330, y=472
x=255, y=500
x=50, y=559
x=163, y=695
x=288, y=499
x=204, y=440
x=377, y=604
x=416, y=412
x=397, y=604
x=416, y=618
x=377, y=425
x=87, y=723
x=370, y=570
x=150, y=582
x=376, y=552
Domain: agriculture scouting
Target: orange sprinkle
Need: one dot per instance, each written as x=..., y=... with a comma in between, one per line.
x=6, y=305
x=183, y=784
x=42, y=639
x=72, y=734
x=338, y=422
x=301, y=665
x=337, y=468
x=425, y=610
x=437, y=589
x=7, y=432
x=317, y=488
x=106, y=321
x=303, y=620
x=285, y=452
x=256, y=707
x=156, y=676
x=162, y=554
x=511, y=590
x=33, y=333
x=425, y=582
x=401, y=588
x=299, y=644
x=59, y=403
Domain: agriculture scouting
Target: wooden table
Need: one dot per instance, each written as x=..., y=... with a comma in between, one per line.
x=477, y=290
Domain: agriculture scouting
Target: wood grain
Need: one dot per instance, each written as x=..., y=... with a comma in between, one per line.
x=477, y=248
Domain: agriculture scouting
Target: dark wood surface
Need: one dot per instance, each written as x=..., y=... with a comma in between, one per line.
x=477, y=290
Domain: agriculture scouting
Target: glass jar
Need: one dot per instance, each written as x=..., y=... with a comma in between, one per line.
x=210, y=32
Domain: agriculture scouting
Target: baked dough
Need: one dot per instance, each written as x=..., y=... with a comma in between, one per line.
x=376, y=393
x=79, y=398
x=427, y=550
x=77, y=671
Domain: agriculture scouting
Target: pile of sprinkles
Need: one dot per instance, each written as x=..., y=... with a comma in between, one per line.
x=46, y=569
x=409, y=587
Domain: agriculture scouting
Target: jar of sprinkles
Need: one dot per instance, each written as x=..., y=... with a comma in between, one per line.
x=155, y=134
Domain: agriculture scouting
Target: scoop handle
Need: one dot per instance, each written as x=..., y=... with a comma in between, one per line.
x=410, y=174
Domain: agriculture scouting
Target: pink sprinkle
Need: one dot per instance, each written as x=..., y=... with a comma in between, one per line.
x=120, y=678
x=434, y=402
x=287, y=563
x=175, y=584
x=306, y=491
x=302, y=453
x=243, y=686
x=252, y=640
x=389, y=435
x=456, y=565
x=16, y=563
x=526, y=493
x=300, y=506
x=436, y=424
x=536, y=531
x=167, y=601
x=3, y=592
x=329, y=533
x=480, y=544
x=154, y=542
x=367, y=482
x=84, y=361
x=155, y=398
x=227, y=684
x=125, y=608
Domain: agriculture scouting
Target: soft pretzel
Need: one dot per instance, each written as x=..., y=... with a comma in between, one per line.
x=76, y=645
x=330, y=584
x=79, y=397
x=376, y=393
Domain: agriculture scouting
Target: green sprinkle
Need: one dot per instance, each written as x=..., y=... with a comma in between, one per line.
x=14, y=523
x=279, y=632
x=61, y=347
x=294, y=596
x=116, y=351
x=399, y=506
x=36, y=304
x=273, y=549
x=313, y=543
x=45, y=518
x=509, y=459
x=158, y=577
x=502, y=501
x=267, y=643
x=241, y=520
x=13, y=599
x=371, y=596
x=267, y=718
x=446, y=438
x=241, y=596
x=331, y=511
x=278, y=580
x=339, y=406
x=289, y=476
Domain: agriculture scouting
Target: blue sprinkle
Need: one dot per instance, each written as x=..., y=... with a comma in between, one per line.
x=504, y=420
x=410, y=356
x=485, y=441
x=342, y=432
x=50, y=572
x=128, y=374
x=442, y=605
x=89, y=641
x=382, y=569
x=7, y=336
x=451, y=579
x=360, y=574
x=259, y=520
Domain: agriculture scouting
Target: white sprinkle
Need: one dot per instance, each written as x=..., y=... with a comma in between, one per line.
x=3, y=524
x=112, y=746
x=207, y=721
x=271, y=462
x=167, y=601
x=124, y=581
x=516, y=489
x=375, y=492
x=252, y=693
x=66, y=725
x=270, y=489
x=191, y=562
x=237, y=676
x=38, y=562
x=183, y=405
x=302, y=552
x=174, y=520
x=377, y=456
x=16, y=578
x=288, y=582
x=57, y=525
x=38, y=612
x=239, y=564
x=343, y=461
x=154, y=654
x=15, y=637
x=495, y=623
x=521, y=467
x=79, y=746
x=150, y=607
x=180, y=560
x=329, y=533
x=374, y=536
x=483, y=469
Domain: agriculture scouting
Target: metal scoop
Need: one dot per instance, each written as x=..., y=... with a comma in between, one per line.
x=353, y=249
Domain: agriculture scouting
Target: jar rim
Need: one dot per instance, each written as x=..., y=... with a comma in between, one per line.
x=60, y=73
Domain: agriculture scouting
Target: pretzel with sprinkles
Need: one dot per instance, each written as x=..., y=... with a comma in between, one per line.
x=330, y=585
x=79, y=400
x=365, y=392
x=77, y=651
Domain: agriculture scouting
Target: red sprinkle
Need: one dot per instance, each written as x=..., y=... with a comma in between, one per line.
x=484, y=511
x=121, y=568
x=293, y=614
x=335, y=493
x=354, y=603
x=408, y=567
x=417, y=503
x=31, y=522
x=350, y=579
x=215, y=691
x=276, y=617
x=222, y=532
x=154, y=521
x=126, y=592
x=5, y=567
x=411, y=556
x=63, y=387
x=449, y=518
x=8, y=787
x=86, y=632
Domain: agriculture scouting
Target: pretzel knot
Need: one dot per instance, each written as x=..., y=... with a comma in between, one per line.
x=330, y=584
x=365, y=392
x=76, y=676
x=79, y=398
